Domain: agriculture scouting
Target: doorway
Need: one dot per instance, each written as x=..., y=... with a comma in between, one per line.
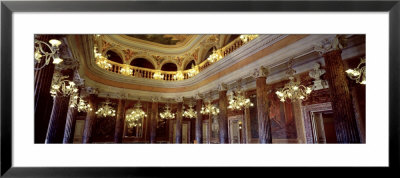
x=323, y=127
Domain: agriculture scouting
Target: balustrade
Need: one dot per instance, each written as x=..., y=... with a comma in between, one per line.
x=146, y=73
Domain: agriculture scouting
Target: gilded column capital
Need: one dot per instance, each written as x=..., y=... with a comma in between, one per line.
x=261, y=72
x=222, y=87
x=331, y=44
x=198, y=96
x=155, y=99
x=179, y=99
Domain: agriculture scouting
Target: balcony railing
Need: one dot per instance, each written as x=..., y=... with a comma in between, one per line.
x=146, y=73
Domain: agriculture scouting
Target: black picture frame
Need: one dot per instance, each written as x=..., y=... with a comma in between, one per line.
x=8, y=7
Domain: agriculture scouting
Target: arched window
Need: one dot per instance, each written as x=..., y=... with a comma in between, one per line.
x=142, y=62
x=189, y=65
x=112, y=56
x=169, y=67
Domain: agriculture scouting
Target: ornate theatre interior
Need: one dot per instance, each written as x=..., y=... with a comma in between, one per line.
x=200, y=88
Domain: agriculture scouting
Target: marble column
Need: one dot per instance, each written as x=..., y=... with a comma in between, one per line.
x=70, y=125
x=153, y=120
x=223, y=114
x=119, y=123
x=90, y=116
x=178, y=132
x=199, y=118
x=55, y=130
x=345, y=122
x=264, y=123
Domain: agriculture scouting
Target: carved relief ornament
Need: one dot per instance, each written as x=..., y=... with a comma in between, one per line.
x=261, y=72
x=331, y=44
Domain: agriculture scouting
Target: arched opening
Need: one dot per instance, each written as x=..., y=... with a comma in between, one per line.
x=189, y=65
x=112, y=56
x=231, y=38
x=142, y=62
x=210, y=51
x=169, y=67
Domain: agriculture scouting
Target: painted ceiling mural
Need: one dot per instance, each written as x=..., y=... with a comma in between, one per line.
x=162, y=39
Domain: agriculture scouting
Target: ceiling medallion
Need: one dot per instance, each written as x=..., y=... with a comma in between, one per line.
x=358, y=73
x=293, y=90
x=53, y=54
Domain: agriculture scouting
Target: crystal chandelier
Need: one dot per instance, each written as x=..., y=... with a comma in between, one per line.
x=53, y=54
x=101, y=61
x=62, y=87
x=167, y=114
x=133, y=119
x=157, y=75
x=106, y=110
x=209, y=109
x=126, y=70
x=190, y=113
x=215, y=56
x=82, y=105
x=178, y=75
x=247, y=38
x=293, y=90
x=237, y=101
x=358, y=73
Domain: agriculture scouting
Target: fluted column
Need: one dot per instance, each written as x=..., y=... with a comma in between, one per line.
x=264, y=123
x=198, y=125
x=119, y=123
x=345, y=122
x=178, y=132
x=223, y=114
x=90, y=117
x=153, y=120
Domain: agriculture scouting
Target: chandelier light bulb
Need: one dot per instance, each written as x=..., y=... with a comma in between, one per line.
x=55, y=43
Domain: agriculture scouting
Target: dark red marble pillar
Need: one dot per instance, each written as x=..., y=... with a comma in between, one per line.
x=178, y=132
x=55, y=130
x=119, y=123
x=223, y=116
x=89, y=121
x=70, y=125
x=264, y=124
x=345, y=122
x=198, y=124
x=153, y=120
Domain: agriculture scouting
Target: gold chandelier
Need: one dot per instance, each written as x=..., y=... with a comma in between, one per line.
x=62, y=87
x=190, y=113
x=167, y=114
x=237, y=101
x=157, y=75
x=106, y=110
x=209, y=109
x=134, y=118
x=101, y=61
x=82, y=106
x=358, y=73
x=193, y=71
x=178, y=75
x=53, y=54
x=215, y=56
x=247, y=38
x=293, y=90
x=126, y=70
